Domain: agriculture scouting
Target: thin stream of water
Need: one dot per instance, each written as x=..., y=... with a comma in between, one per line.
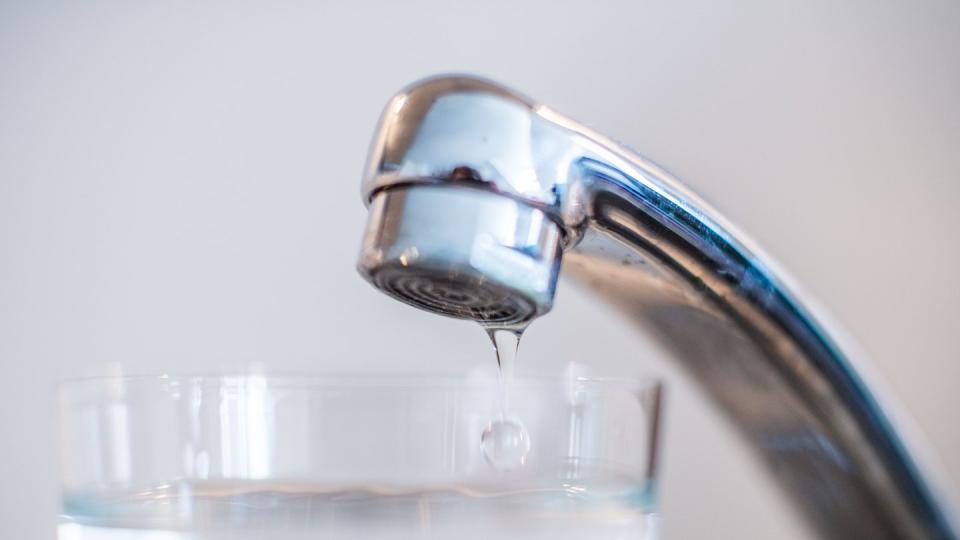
x=505, y=441
x=506, y=345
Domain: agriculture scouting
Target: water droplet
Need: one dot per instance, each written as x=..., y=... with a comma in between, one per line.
x=505, y=444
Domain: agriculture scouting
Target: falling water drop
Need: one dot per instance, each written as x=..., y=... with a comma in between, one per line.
x=505, y=444
x=505, y=441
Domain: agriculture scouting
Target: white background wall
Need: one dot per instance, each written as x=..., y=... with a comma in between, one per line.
x=179, y=192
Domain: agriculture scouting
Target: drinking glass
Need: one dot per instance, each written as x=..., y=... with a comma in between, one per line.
x=302, y=457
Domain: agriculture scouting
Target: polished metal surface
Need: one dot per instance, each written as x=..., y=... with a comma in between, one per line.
x=462, y=252
x=476, y=194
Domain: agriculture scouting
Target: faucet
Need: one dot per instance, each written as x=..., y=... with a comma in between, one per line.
x=476, y=193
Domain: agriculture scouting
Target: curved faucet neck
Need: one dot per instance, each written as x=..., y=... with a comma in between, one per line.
x=650, y=247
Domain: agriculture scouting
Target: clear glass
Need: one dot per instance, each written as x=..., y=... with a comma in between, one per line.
x=256, y=457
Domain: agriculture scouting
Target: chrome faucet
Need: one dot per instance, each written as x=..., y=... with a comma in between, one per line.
x=476, y=193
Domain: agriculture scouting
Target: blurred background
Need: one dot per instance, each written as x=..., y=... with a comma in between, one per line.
x=179, y=192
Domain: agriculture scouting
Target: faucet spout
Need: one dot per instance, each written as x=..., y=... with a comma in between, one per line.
x=476, y=194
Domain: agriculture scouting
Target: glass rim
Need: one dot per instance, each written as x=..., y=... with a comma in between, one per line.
x=358, y=380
